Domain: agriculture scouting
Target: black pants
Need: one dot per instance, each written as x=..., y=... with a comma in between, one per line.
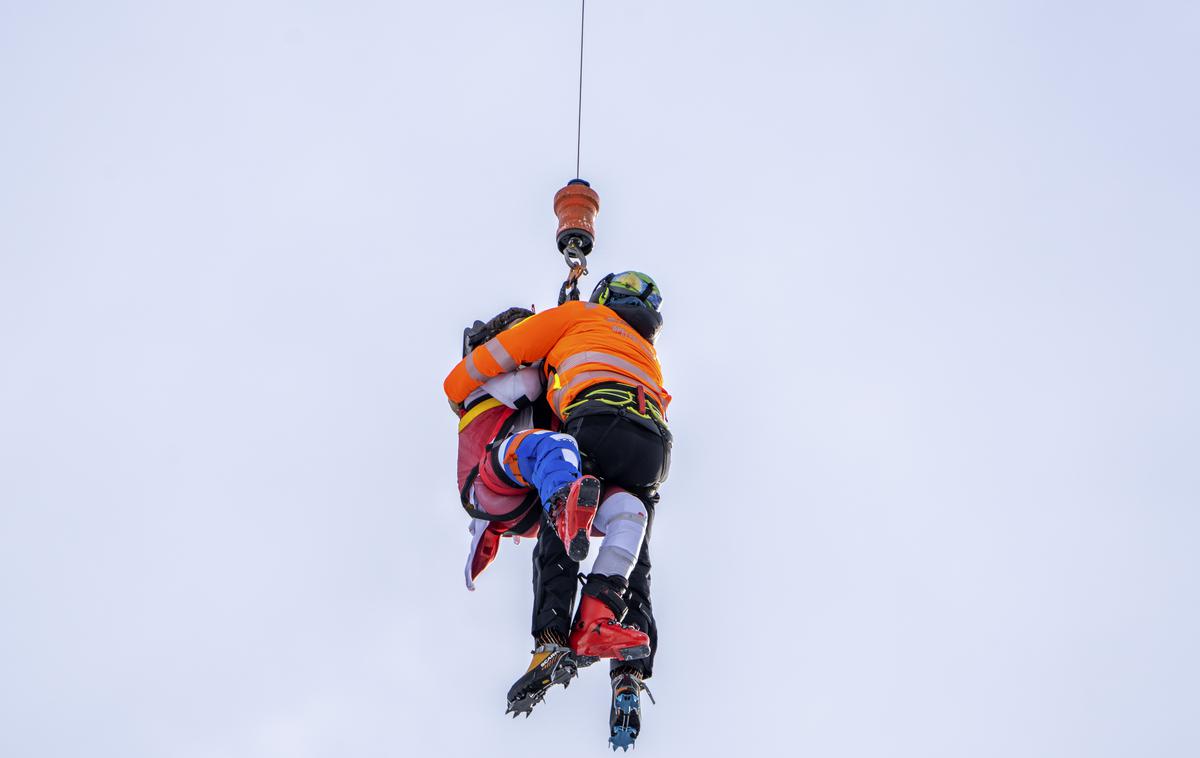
x=623, y=452
x=622, y=449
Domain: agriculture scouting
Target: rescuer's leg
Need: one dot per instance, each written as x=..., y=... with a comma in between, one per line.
x=622, y=519
x=640, y=611
x=598, y=631
x=627, y=677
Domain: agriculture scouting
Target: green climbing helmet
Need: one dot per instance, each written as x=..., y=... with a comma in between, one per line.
x=627, y=288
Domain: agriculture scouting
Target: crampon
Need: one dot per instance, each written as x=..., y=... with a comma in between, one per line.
x=552, y=664
x=625, y=718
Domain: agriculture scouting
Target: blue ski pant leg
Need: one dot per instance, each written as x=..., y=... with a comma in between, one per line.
x=541, y=459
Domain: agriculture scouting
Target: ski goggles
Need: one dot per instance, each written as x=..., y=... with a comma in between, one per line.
x=631, y=288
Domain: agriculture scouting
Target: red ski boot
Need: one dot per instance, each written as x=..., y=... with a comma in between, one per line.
x=572, y=509
x=597, y=632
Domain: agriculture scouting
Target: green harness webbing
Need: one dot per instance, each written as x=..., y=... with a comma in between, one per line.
x=618, y=397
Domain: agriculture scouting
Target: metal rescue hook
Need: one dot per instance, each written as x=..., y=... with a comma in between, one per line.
x=577, y=261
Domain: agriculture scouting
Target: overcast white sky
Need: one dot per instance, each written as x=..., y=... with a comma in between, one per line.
x=931, y=313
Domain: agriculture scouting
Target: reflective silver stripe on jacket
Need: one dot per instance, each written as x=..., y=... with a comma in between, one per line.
x=472, y=370
x=591, y=356
x=500, y=354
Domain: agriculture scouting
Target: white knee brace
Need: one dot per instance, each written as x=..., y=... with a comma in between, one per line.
x=622, y=520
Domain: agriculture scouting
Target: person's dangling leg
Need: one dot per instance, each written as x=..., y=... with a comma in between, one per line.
x=541, y=459
x=550, y=462
x=554, y=579
x=554, y=582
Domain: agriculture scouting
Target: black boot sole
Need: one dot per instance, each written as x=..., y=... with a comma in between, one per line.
x=633, y=653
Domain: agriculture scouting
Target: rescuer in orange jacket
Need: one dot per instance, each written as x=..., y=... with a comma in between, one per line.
x=604, y=383
x=582, y=344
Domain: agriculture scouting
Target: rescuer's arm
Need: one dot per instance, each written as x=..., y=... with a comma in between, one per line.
x=527, y=342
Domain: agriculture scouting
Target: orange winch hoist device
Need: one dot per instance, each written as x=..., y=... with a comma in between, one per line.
x=576, y=206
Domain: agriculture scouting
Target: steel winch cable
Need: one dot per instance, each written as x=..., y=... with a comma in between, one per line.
x=577, y=203
x=579, y=114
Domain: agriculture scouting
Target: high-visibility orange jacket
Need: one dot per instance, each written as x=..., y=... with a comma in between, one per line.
x=583, y=344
